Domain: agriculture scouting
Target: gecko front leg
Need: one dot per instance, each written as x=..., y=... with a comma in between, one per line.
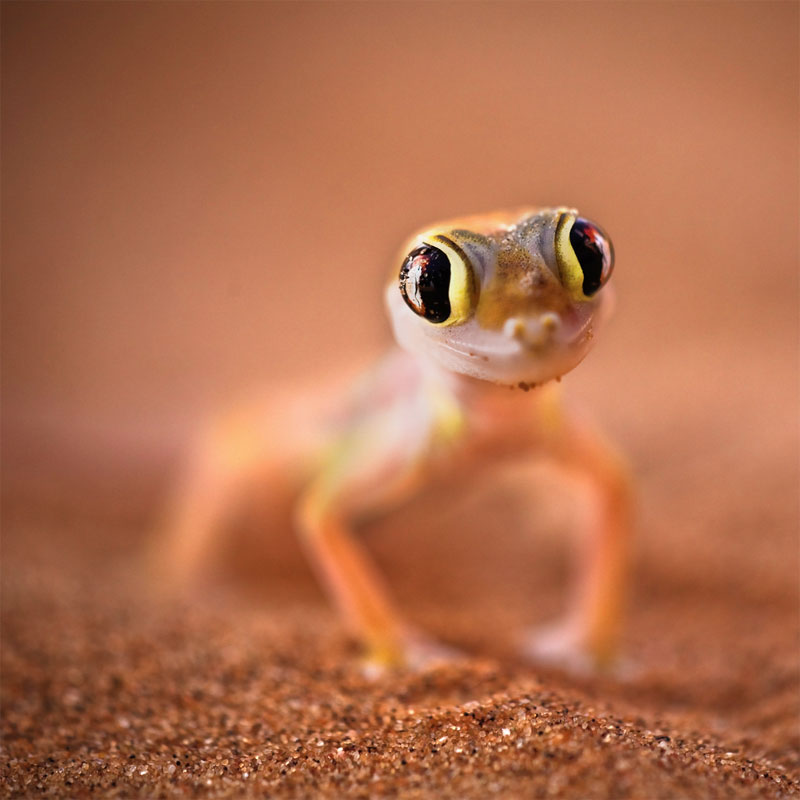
x=589, y=634
x=365, y=475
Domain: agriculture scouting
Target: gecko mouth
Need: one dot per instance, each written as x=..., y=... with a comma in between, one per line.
x=530, y=349
x=522, y=337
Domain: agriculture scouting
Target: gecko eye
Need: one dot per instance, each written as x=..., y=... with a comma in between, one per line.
x=585, y=255
x=425, y=283
x=437, y=282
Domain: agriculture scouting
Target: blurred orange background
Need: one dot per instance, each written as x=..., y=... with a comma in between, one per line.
x=199, y=198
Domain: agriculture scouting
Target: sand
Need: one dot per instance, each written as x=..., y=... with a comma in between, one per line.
x=251, y=688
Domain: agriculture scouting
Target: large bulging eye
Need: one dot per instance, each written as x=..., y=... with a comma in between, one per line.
x=437, y=281
x=425, y=283
x=594, y=252
x=585, y=255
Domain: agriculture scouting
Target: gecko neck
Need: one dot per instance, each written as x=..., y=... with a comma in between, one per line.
x=474, y=393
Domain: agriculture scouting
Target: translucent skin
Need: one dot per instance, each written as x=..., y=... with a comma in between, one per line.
x=429, y=412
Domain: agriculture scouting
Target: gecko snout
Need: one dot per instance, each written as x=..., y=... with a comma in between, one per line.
x=533, y=332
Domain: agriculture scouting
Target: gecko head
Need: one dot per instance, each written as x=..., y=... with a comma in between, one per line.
x=510, y=298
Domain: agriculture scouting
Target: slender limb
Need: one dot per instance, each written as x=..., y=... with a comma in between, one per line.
x=594, y=619
x=353, y=583
x=378, y=463
x=371, y=480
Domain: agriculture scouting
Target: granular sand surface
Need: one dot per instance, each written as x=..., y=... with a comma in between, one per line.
x=251, y=688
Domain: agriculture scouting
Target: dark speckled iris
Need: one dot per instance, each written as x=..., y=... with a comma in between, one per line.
x=593, y=251
x=425, y=283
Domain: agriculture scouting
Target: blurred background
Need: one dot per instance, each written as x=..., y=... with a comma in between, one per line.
x=200, y=200
x=203, y=200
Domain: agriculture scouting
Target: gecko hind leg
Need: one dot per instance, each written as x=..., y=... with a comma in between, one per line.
x=229, y=459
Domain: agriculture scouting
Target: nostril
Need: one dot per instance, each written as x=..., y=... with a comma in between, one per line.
x=550, y=321
x=514, y=328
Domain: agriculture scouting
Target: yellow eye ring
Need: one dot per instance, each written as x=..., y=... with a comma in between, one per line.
x=437, y=281
x=584, y=254
x=463, y=287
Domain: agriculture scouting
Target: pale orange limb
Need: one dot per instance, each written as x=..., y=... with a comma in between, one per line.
x=354, y=584
x=230, y=458
x=593, y=625
x=369, y=476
